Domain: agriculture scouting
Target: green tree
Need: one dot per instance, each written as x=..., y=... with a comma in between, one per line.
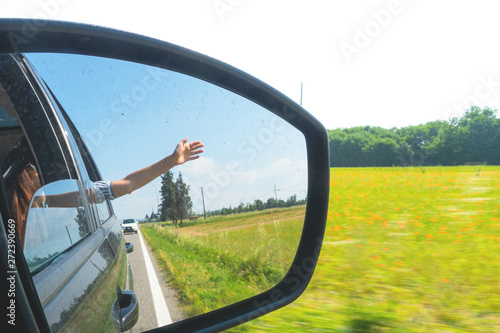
x=168, y=206
x=478, y=135
x=291, y=201
x=183, y=200
x=446, y=148
x=271, y=203
x=81, y=220
x=414, y=143
x=363, y=146
x=259, y=205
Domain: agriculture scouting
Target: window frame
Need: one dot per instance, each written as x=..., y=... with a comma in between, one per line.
x=88, y=161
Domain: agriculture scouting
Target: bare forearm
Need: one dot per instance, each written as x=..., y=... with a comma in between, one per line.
x=183, y=152
x=142, y=177
x=70, y=199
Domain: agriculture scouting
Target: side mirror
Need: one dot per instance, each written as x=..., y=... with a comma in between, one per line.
x=234, y=109
x=129, y=247
x=125, y=310
x=54, y=204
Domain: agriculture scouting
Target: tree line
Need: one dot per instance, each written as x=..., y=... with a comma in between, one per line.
x=472, y=138
x=258, y=205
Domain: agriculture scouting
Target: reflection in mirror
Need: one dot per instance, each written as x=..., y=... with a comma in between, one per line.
x=97, y=201
x=222, y=228
x=56, y=222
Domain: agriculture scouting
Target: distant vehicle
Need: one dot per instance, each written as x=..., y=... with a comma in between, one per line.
x=129, y=225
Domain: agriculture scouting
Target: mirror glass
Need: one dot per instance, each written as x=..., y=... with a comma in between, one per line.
x=237, y=228
x=56, y=222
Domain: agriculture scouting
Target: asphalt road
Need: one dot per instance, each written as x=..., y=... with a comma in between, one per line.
x=153, y=312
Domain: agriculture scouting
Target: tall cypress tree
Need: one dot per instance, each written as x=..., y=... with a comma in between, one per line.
x=168, y=206
x=183, y=200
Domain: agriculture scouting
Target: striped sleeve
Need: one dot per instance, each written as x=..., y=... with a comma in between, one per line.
x=105, y=187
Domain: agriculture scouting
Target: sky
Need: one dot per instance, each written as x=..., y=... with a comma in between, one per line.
x=131, y=116
x=378, y=63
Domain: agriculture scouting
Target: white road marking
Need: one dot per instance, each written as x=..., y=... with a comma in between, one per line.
x=161, y=309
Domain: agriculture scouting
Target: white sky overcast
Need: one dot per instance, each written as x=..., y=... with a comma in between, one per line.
x=381, y=63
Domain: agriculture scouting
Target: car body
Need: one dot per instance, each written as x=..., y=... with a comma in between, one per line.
x=69, y=252
x=130, y=225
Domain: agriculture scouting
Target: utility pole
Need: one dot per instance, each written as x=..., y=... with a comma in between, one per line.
x=203, y=200
x=70, y=240
x=275, y=195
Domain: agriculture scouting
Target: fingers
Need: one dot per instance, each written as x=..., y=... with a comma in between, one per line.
x=196, y=152
x=191, y=150
x=195, y=145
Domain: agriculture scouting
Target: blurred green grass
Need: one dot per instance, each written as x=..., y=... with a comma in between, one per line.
x=406, y=250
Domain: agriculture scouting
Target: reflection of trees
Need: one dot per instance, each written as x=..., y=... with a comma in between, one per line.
x=107, y=253
x=115, y=238
x=81, y=220
x=36, y=261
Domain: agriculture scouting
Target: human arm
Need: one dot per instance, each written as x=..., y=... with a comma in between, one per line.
x=68, y=199
x=184, y=152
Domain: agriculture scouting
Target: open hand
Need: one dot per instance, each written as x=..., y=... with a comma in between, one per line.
x=187, y=151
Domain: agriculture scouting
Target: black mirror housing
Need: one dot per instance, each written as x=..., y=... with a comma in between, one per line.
x=25, y=36
x=129, y=247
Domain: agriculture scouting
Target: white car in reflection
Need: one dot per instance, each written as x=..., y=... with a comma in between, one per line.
x=129, y=225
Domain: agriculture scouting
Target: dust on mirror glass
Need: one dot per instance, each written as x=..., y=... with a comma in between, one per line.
x=219, y=228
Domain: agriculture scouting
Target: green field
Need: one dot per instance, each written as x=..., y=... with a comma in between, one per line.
x=405, y=250
x=226, y=259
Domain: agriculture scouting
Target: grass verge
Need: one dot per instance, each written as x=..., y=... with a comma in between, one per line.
x=226, y=260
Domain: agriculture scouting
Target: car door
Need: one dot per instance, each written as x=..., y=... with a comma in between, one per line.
x=75, y=252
